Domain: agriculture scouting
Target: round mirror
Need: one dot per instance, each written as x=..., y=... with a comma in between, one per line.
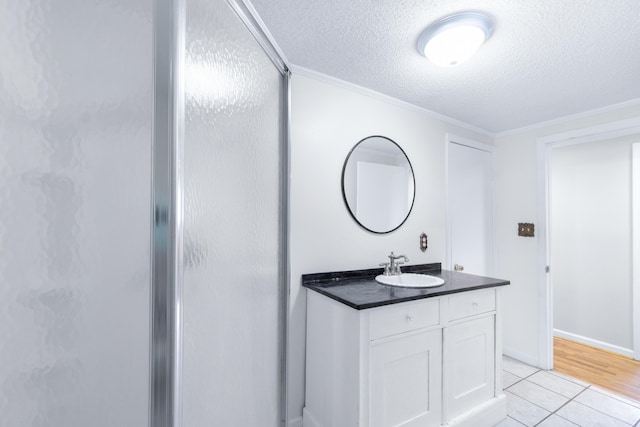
x=378, y=185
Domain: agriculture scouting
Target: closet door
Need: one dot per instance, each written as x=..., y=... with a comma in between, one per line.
x=470, y=204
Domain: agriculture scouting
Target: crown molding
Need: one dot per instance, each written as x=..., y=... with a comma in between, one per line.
x=565, y=119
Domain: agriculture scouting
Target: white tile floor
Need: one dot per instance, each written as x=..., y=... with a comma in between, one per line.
x=548, y=399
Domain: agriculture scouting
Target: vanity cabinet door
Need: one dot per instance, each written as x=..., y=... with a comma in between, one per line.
x=469, y=365
x=406, y=380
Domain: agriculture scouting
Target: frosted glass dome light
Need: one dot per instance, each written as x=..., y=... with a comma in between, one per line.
x=454, y=39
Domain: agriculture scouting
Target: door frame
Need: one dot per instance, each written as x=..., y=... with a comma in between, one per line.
x=635, y=250
x=456, y=139
x=545, y=289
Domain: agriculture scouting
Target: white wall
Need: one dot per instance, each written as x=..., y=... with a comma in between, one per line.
x=516, y=201
x=590, y=241
x=327, y=120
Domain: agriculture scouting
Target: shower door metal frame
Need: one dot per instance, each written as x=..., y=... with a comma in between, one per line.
x=169, y=28
x=167, y=213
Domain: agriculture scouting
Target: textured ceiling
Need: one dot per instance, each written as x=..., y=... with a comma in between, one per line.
x=546, y=58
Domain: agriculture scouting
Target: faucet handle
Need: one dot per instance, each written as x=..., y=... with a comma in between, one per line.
x=398, y=264
x=387, y=270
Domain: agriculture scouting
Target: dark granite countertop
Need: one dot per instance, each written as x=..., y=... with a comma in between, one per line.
x=358, y=289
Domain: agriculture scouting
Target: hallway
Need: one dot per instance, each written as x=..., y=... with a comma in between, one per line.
x=614, y=372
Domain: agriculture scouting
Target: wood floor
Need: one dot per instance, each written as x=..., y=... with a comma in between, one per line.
x=610, y=371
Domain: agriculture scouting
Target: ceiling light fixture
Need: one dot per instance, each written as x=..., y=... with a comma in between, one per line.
x=454, y=39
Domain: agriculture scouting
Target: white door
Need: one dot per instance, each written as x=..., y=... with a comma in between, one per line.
x=406, y=379
x=374, y=179
x=470, y=207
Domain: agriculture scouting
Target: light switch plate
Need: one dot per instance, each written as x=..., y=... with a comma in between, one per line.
x=526, y=229
x=423, y=242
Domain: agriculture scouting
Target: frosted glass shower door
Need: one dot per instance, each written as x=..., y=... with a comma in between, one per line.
x=75, y=178
x=232, y=336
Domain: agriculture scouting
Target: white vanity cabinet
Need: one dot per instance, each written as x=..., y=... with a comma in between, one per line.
x=405, y=380
x=405, y=365
x=470, y=352
x=427, y=362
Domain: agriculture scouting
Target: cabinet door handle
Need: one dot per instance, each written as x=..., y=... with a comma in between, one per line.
x=409, y=318
x=475, y=304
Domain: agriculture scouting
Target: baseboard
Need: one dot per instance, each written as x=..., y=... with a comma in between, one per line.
x=593, y=343
x=488, y=414
x=522, y=357
x=296, y=422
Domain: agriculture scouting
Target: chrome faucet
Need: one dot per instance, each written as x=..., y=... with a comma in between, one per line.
x=392, y=268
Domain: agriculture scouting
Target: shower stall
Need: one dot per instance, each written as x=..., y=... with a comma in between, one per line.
x=143, y=215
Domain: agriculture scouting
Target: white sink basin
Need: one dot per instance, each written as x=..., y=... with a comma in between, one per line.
x=410, y=280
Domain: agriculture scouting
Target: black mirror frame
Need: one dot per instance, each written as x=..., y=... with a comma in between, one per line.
x=344, y=195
